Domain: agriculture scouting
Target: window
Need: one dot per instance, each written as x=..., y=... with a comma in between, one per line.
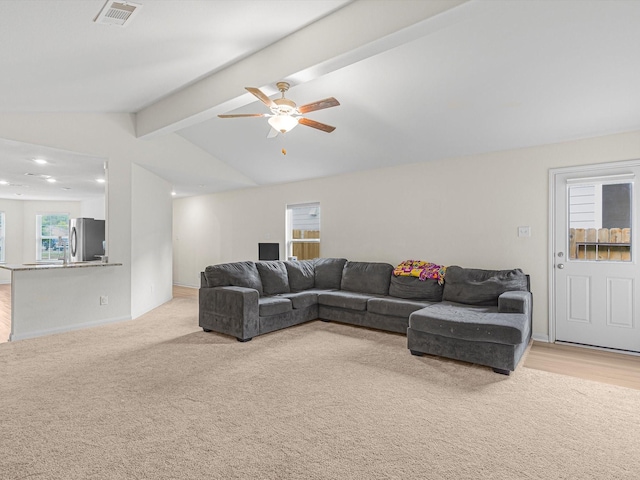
x=2, y=235
x=303, y=231
x=600, y=220
x=52, y=236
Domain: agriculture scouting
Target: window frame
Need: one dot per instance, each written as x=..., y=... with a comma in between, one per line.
x=290, y=241
x=40, y=237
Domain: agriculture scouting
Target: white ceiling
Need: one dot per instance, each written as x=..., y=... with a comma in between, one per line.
x=482, y=76
x=65, y=176
x=56, y=59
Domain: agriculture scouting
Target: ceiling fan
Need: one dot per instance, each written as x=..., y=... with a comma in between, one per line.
x=285, y=115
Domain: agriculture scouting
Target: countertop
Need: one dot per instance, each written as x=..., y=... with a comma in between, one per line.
x=46, y=266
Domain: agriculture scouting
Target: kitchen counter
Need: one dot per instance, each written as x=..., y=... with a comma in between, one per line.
x=49, y=298
x=57, y=265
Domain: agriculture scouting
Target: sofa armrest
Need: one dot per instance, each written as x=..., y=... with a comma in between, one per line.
x=515, y=302
x=229, y=310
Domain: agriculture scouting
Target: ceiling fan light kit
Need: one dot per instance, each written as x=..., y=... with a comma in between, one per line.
x=285, y=114
x=283, y=123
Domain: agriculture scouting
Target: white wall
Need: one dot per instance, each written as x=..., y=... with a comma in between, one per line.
x=59, y=300
x=29, y=212
x=151, y=223
x=462, y=211
x=93, y=208
x=14, y=235
x=110, y=136
x=20, y=216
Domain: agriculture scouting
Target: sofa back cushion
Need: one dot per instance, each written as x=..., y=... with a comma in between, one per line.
x=301, y=274
x=274, y=277
x=237, y=274
x=412, y=288
x=328, y=272
x=366, y=277
x=481, y=287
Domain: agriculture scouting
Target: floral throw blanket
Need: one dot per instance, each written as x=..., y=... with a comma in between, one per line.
x=420, y=269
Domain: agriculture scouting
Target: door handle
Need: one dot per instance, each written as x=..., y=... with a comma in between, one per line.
x=560, y=266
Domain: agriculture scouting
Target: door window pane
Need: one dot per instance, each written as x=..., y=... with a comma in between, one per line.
x=600, y=221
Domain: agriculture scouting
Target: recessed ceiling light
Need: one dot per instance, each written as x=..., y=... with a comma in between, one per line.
x=51, y=180
x=100, y=180
x=173, y=193
x=40, y=161
x=4, y=182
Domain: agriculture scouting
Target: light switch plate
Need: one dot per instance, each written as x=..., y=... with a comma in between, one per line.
x=524, y=231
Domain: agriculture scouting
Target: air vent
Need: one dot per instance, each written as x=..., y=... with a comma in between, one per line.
x=117, y=13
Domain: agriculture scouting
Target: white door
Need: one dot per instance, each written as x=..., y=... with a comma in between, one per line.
x=595, y=264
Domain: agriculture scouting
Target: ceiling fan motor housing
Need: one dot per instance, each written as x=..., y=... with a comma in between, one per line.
x=284, y=106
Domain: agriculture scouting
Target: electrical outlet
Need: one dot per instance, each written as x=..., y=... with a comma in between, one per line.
x=104, y=300
x=524, y=231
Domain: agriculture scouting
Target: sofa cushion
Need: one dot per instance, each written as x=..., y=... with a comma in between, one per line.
x=366, y=277
x=473, y=323
x=481, y=287
x=300, y=300
x=273, y=306
x=328, y=272
x=412, y=288
x=394, y=306
x=342, y=299
x=301, y=274
x=274, y=277
x=237, y=274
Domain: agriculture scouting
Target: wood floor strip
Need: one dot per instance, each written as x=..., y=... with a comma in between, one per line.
x=601, y=366
x=5, y=312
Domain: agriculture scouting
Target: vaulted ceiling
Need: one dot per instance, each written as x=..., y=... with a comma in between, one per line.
x=416, y=80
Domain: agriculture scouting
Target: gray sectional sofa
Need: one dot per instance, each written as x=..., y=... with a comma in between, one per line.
x=478, y=316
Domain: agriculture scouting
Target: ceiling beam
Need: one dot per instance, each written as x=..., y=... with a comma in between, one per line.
x=355, y=32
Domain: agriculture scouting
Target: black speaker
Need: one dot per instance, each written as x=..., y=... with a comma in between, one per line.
x=268, y=251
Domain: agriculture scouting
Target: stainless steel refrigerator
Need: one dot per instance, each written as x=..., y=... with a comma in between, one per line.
x=86, y=239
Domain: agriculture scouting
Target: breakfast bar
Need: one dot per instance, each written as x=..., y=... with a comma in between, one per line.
x=49, y=298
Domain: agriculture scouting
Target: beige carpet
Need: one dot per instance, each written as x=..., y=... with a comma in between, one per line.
x=157, y=398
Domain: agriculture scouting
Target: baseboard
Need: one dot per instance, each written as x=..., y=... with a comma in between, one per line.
x=68, y=328
x=540, y=337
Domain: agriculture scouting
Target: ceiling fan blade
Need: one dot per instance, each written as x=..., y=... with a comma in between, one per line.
x=313, y=124
x=238, y=115
x=261, y=96
x=319, y=105
x=272, y=133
